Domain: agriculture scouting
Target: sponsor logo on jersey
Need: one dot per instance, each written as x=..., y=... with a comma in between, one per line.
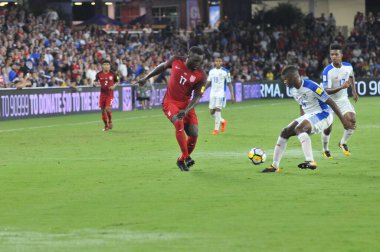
x=111, y=77
x=192, y=78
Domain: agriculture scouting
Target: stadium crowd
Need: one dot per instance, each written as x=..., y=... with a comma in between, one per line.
x=42, y=51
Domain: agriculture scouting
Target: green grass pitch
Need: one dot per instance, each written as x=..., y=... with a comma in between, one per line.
x=68, y=186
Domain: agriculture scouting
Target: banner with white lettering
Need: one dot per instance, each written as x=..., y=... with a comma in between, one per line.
x=28, y=103
x=276, y=89
x=43, y=102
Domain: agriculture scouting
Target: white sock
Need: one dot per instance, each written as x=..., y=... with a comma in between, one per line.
x=279, y=150
x=217, y=119
x=346, y=136
x=325, y=141
x=306, y=146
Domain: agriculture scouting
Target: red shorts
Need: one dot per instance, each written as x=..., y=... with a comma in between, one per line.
x=172, y=108
x=105, y=101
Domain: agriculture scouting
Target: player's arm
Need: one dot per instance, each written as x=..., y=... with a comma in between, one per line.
x=327, y=84
x=345, y=85
x=231, y=92
x=116, y=83
x=228, y=79
x=156, y=71
x=191, y=105
x=96, y=82
x=198, y=92
x=208, y=83
x=355, y=95
x=346, y=124
x=301, y=111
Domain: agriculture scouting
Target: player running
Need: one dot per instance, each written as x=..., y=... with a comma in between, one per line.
x=218, y=78
x=337, y=77
x=315, y=117
x=107, y=81
x=186, y=78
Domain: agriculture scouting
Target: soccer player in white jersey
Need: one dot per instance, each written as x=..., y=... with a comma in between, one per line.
x=219, y=77
x=315, y=117
x=337, y=77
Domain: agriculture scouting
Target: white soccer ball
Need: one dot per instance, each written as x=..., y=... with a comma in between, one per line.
x=257, y=156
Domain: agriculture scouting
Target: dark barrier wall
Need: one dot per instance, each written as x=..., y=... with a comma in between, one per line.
x=43, y=102
x=275, y=89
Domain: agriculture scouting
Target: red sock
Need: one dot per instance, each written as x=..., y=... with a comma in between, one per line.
x=104, y=117
x=191, y=142
x=109, y=114
x=181, y=138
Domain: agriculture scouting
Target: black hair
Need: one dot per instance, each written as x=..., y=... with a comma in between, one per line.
x=196, y=49
x=336, y=47
x=288, y=70
x=106, y=62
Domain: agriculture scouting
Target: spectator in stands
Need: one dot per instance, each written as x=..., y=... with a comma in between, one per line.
x=248, y=49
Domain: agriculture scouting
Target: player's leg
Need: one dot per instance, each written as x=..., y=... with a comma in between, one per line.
x=192, y=137
x=280, y=147
x=212, y=107
x=171, y=109
x=109, y=111
x=325, y=136
x=311, y=124
x=191, y=129
x=217, y=121
x=350, y=116
x=102, y=105
x=303, y=130
x=223, y=122
x=181, y=137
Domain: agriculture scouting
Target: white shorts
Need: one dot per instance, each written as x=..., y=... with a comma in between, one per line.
x=217, y=102
x=345, y=106
x=319, y=121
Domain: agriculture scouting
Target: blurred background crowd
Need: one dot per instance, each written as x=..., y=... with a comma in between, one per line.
x=43, y=51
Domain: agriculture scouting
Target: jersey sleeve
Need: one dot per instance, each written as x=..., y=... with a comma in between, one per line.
x=325, y=79
x=97, y=77
x=352, y=72
x=319, y=92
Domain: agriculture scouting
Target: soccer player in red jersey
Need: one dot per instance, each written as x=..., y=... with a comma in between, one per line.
x=187, y=80
x=107, y=81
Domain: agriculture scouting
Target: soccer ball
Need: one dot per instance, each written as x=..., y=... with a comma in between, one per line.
x=257, y=156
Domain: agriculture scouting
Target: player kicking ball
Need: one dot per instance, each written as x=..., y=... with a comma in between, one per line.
x=186, y=77
x=315, y=117
x=218, y=78
x=107, y=81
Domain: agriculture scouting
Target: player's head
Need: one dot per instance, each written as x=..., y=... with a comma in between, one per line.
x=218, y=62
x=195, y=57
x=336, y=53
x=290, y=75
x=106, y=65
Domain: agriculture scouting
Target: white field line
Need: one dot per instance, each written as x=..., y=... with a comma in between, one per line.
x=128, y=118
x=82, y=237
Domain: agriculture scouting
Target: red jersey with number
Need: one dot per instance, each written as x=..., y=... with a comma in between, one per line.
x=106, y=80
x=183, y=81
